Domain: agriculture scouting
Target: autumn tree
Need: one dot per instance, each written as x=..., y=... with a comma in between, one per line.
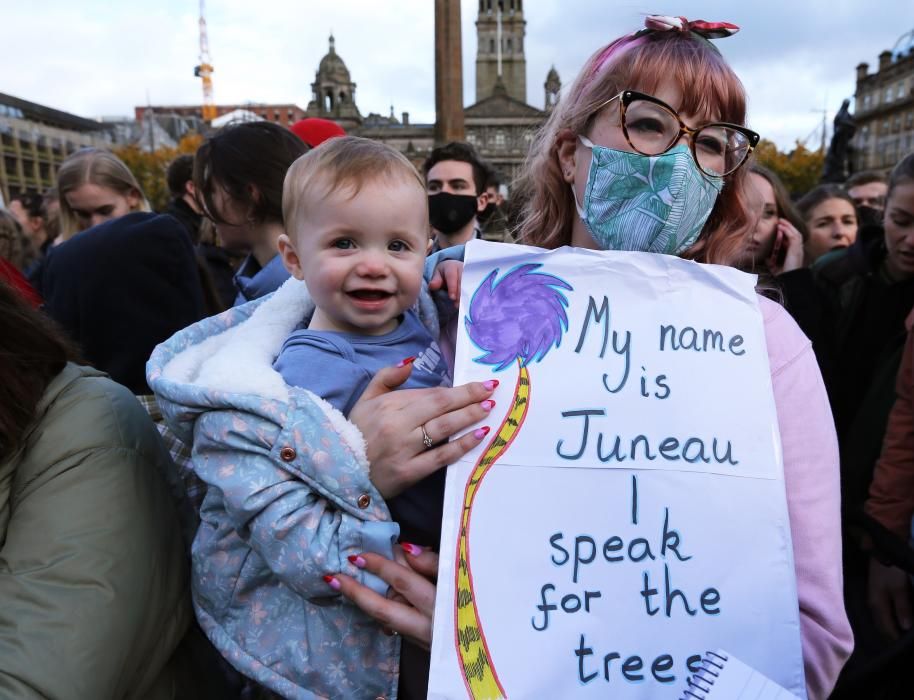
x=149, y=167
x=799, y=170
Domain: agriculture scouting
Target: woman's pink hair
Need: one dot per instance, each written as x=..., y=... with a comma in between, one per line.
x=709, y=88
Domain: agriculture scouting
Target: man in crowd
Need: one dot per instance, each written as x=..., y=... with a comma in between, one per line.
x=455, y=180
x=28, y=208
x=492, y=220
x=868, y=190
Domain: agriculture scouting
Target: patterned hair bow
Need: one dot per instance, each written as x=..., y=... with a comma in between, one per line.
x=661, y=23
x=706, y=30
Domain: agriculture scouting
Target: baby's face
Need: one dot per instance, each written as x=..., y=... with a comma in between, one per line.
x=362, y=256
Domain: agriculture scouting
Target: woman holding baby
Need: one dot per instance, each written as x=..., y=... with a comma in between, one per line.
x=297, y=507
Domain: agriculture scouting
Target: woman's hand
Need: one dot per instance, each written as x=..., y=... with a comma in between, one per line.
x=787, y=254
x=411, y=608
x=890, y=599
x=392, y=423
x=447, y=275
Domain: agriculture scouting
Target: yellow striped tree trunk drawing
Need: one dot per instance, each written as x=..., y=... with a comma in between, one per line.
x=478, y=671
x=517, y=319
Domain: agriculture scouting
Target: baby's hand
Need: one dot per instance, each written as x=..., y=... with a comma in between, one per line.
x=447, y=276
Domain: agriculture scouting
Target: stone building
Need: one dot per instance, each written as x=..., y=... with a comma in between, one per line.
x=500, y=49
x=501, y=128
x=285, y=114
x=333, y=92
x=35, y=140
x=884, y=110
x=500, y=123
x=333, y=97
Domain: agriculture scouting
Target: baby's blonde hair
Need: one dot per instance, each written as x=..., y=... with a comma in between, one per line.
x=346, y=162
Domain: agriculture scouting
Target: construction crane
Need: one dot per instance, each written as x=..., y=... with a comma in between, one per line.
x=204, y=71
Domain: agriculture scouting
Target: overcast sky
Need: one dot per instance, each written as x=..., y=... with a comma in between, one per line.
x=101, y=58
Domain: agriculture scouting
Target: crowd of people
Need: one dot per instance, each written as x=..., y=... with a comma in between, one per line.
x=167, y=528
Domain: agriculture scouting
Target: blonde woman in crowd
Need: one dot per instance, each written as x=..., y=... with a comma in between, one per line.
x=94, y=186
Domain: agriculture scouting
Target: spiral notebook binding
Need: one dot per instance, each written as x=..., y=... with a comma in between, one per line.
x=701, y=682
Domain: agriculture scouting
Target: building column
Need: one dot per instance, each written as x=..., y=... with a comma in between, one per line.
x=448, y=73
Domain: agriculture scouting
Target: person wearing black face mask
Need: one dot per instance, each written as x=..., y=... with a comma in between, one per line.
x=455, y=182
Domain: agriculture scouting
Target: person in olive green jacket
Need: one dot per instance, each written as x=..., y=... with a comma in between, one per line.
x=93, y=574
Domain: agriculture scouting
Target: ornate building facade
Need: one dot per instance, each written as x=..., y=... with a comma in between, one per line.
x=285, y=114
x=35, y=140
x=500, y=30
x=884, y=110
x=333, y=92
x=500, y=123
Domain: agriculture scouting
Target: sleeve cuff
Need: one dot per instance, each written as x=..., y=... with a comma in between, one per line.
x=378, y=538
x=432, y=261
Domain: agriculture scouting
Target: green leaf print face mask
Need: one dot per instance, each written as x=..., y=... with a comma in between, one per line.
x=656, y=204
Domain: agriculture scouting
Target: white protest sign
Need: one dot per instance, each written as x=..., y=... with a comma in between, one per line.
x=627, y=511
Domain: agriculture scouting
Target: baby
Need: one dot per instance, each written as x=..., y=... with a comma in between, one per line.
x=356, y=219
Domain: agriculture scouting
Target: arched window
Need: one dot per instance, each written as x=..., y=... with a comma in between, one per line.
x=491, y=45
x=328, y=102
x=509, y=46
x=342, y=97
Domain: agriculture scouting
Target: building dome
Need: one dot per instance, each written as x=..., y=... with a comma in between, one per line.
x=552, y=76
x=333, y=92
x=904, y=46
x=332, y=68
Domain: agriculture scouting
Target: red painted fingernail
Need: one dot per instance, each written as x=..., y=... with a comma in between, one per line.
x=407, y=361
x=410, y=548
x=487, y=405
x=490, y=384
x=332, y=582
x=480, y=433
x=356, y=560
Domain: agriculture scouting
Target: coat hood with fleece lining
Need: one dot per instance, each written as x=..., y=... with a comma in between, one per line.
x=226, y=362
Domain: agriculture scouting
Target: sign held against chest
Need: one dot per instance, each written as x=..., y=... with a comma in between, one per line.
x=628, y=511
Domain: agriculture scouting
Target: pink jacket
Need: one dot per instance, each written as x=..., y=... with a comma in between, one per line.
x=813, y=498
